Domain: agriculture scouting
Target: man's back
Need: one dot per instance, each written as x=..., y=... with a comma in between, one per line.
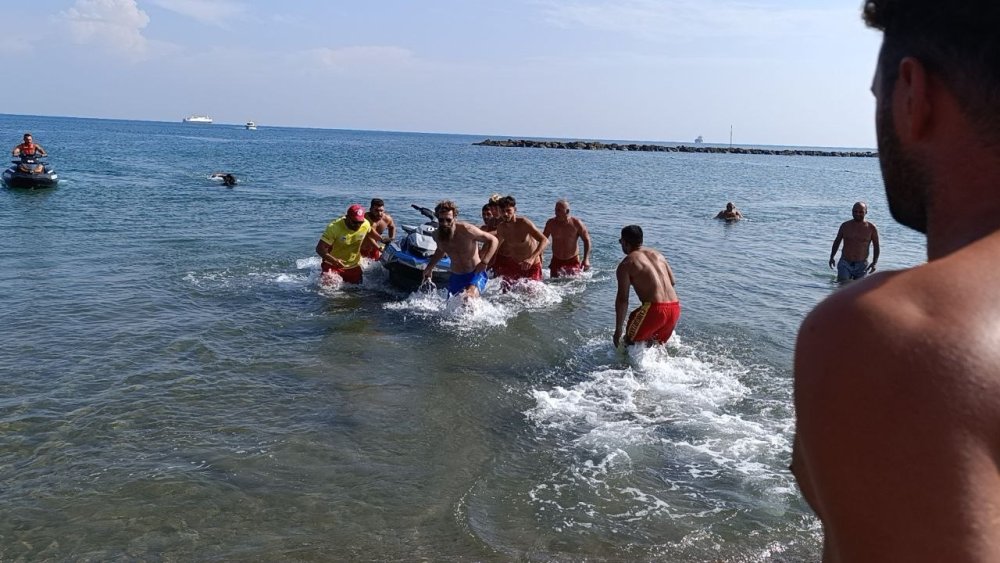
x=650, y=276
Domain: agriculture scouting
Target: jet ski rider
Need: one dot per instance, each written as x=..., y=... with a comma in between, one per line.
x=28, y=150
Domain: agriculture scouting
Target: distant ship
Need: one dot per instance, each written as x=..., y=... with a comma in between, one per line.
x=251, y=126
x=198, y=119
x=699, y=139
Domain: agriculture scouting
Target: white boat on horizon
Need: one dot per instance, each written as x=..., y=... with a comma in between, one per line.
x=251, y=126
x=198, y=119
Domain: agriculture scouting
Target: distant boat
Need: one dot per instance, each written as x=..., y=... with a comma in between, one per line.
x=251, y=126
x=699, y=139
x=198, y=119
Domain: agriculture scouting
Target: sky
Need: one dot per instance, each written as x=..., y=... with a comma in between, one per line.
x=781, y=72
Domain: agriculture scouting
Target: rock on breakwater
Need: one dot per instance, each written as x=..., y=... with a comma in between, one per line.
x=596, y=145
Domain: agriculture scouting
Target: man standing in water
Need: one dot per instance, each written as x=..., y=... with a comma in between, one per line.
x=857, y=235
x=460, y=241
x=521, y=245
x=340, y=245
x=380, y=221
x=566, y=232
x=897, y=380
x=648, y=272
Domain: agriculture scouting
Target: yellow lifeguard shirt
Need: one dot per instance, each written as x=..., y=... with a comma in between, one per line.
x=345, y=244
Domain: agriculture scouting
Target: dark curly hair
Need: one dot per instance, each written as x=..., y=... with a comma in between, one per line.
x=445, y=206
x=957, y=41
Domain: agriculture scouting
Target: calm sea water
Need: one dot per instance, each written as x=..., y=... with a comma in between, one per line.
x=175, y=384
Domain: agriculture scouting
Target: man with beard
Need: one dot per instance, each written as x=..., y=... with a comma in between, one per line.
x=566, y=233
x=380, y=221
x=857, y=235
x=897, y=379
x=460, y=242
x=521, y=245
x=340, y=246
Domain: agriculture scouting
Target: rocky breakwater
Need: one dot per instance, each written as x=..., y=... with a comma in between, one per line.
x=596, y=146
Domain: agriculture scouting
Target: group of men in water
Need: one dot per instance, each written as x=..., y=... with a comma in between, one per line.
x=511, y=248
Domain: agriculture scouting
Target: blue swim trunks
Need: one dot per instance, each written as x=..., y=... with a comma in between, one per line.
x=457, y=283
x=851, y=270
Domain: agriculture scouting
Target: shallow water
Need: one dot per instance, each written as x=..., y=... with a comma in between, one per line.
x=177, y=384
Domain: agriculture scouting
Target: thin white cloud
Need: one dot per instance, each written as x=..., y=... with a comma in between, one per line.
x=215, y=12
x=696, y=20
x=371, y=56
x=113, y=24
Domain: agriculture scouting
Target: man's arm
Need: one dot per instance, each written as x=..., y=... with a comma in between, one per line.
x=542, y=240
x=871, y=267
x=621, y=301
x=391, y=227
x=40, y=150
x=323, y=249
x=670, y=271
x=585, y=235
x=490, y=246
x=836, y=245
x=16, y=150
x=435, y=258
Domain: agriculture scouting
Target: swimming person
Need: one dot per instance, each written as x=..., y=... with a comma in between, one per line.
x=521, y=245
x=857, y=234
x=730, y=213
x=649, y=273
x=566, y=233
x=340, y=245
x=460, y=242
x=381, y=222
x=897, y=379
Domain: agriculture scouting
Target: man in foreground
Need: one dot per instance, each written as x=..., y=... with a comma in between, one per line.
x=340, y=245
x=29, y=150
x=648, y=272
x=566, y=232
x=460, y=242
x=897, y=378
x=857, y=235
x=521, y=245
x=380, y=221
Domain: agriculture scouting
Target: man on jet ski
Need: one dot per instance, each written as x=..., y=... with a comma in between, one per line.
x=460, y=241
x=28, y=150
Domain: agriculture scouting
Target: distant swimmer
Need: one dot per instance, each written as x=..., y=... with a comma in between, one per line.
x=381, y=222
x=228, y=179
x=340, y=245
x=730, y=213
x=857, y=235
x=649, y=273
x=460, y=242
x=566, y=233
x=28, y=150
x=521, y=245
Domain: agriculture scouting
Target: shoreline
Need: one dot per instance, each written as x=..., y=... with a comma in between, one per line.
x=596, y=145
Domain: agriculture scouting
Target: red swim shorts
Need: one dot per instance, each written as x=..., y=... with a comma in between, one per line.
x=372, y=252
x=652, y=321
x=567, y=267
x=510, y=270
x=349, y=275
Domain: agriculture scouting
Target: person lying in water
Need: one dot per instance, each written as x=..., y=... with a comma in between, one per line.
x=227, y=178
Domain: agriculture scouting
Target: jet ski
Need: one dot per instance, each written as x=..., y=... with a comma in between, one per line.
x=407, y=257
x=16, y=177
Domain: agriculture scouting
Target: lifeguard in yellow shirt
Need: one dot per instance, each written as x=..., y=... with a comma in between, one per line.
x=340, y=245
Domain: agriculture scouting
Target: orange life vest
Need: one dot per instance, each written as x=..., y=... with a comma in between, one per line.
x=26, y=149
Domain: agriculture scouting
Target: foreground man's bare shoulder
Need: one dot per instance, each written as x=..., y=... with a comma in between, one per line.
x=893, y=446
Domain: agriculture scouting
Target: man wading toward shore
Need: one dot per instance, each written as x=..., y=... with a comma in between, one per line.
x=897, y=378
x=857, y=235
x=460, y=241
x=521, y=246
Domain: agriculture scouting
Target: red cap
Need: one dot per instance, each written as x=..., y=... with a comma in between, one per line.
x=356, y=213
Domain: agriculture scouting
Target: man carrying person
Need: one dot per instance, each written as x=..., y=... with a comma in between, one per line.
x=521, y=246
x=460, y=242
x=340, y=245
x=566, y=232
x=380, y=221
x=857, y=235
x=649, y=273
x=28, y=150
x=897, y=380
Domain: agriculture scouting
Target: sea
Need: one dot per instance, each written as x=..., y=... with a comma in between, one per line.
x=176, y=383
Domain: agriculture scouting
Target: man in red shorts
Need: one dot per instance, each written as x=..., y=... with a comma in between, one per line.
x=521, y=246
x=340, y=245
x=648, y=272
x=381, y=221
x=566, y=233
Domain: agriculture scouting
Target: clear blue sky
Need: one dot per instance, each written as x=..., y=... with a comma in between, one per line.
x=791, y=72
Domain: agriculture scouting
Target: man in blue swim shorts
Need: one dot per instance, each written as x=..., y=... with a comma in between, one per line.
x=858, y=235
x=460, y=242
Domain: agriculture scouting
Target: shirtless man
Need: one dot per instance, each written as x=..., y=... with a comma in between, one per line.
x=380, y=221
x=29, y=150
x=460, y=241
x=857, y=235
x=566, y=232
x=521, y=245
x=490, y=217
x=730, y=213
x=897, y=380
x=648, y=272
